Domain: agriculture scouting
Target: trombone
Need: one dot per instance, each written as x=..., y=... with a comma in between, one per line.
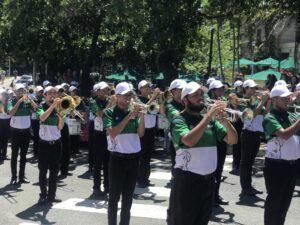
x=68, y=104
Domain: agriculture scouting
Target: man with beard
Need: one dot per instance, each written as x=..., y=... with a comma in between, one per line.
x=195, y=139
x=124, y=125
x=50, y=152
x=20, y=109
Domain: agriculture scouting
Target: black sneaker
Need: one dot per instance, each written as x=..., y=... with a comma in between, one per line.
x=54, y=200
x=248, y=192
x=97, y=192
x=257, y=191
x=42, y=201
x=13, y=182
x=24, y=181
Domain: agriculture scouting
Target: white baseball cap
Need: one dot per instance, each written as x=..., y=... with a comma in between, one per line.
x=123, y=88
x=280, y=91
x=143, y=83
x=190, y=88
x=249, y=83
x=298, y=87
x=99, y=86
x=280, y=82
x=215, y=84
x=46, y=82
x=210, y=80
x=19, y=86
x=59, y=87
x=39, y=88
x=72, y=88
x=238, y=83
x=178, y=83
x=49, y=88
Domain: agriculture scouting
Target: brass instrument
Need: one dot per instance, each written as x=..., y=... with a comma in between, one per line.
x=297, y=110
x=68, y=104
x=163, y=97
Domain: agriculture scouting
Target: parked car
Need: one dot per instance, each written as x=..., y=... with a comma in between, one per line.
x=25, y=79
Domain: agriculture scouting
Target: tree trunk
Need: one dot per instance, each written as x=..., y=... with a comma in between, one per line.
x=210, y=50
x=238, y=43
x=86, y=83
x=233, y=58
x=219, y=49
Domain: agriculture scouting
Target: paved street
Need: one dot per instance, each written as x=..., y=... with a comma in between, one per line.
x=18, y=205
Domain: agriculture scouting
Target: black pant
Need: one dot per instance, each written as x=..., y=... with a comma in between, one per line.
x=172, y=153
x=250, y=147
x=101, y=159
x=91, y=144
x=222, y=150
x=236, y=149
x=74, y=143
x=19, y=141
x=4, y=136
x=280, y=180
x=66, y=152
x=147, y=147
x=192, y=196
x=49, y=159
x=35, y=125
x=122, y=177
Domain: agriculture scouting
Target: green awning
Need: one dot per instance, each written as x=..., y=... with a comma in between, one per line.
x=288, y=63
x=122, y=76
x=189, y=77
x=268, y=62
x=263, y=75
x=243, y=62
x=160, y=76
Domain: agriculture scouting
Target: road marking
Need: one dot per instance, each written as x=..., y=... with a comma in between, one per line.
x=160, y=175
x=100, y=206
x=152, y=191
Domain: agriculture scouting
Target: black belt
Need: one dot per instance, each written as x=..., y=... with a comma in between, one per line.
x=251, y=132
x=283, y=161
x=124, y=155
x=50, y=142
x=20, y=130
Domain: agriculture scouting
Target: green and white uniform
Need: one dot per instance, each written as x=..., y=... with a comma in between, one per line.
x=48, y=128
x=173, y=108
x=21, y=119
x=254, y=125
x=96, y=105
x=278, y=148
x=128, y=140
x=201, y=158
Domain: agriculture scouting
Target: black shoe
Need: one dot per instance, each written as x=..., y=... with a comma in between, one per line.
x=257, y=191
x=24, y=181
x=220, y=201
x=248, y=192
x=142, y=185
x=13, y=182
x=97, y=192
x=54, y=200
x=42, y=201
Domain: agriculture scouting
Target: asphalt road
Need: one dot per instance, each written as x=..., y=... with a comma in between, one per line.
x=79, y=207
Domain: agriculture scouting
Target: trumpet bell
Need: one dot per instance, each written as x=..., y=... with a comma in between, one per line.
x=247, y=114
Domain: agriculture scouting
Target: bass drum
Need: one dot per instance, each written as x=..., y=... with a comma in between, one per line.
x=162, y=122
x=74, y=127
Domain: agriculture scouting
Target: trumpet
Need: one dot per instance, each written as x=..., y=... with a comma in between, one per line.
x=68, y=104
x=297, y=110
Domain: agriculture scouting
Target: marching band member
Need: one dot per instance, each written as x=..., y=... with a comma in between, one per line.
x=216, y=91
x=46, y=83
x=250, y=137
x=50, y=152
x=173, y=108
x=19, y=109
x=194, y=136
x=35, y=123
x=124, y=125
x=147, y=141
x=100, y=152
x=75, y=139
x=283, y=149
x=238, y=88
x=65, y=140
x=4, y=124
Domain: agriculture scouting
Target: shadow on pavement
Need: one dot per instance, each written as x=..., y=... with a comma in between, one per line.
x=219, y=211
x=8, y=192
x=36, y=213
x=250, y=201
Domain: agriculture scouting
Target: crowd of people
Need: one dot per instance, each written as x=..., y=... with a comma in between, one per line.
x=203, y=120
